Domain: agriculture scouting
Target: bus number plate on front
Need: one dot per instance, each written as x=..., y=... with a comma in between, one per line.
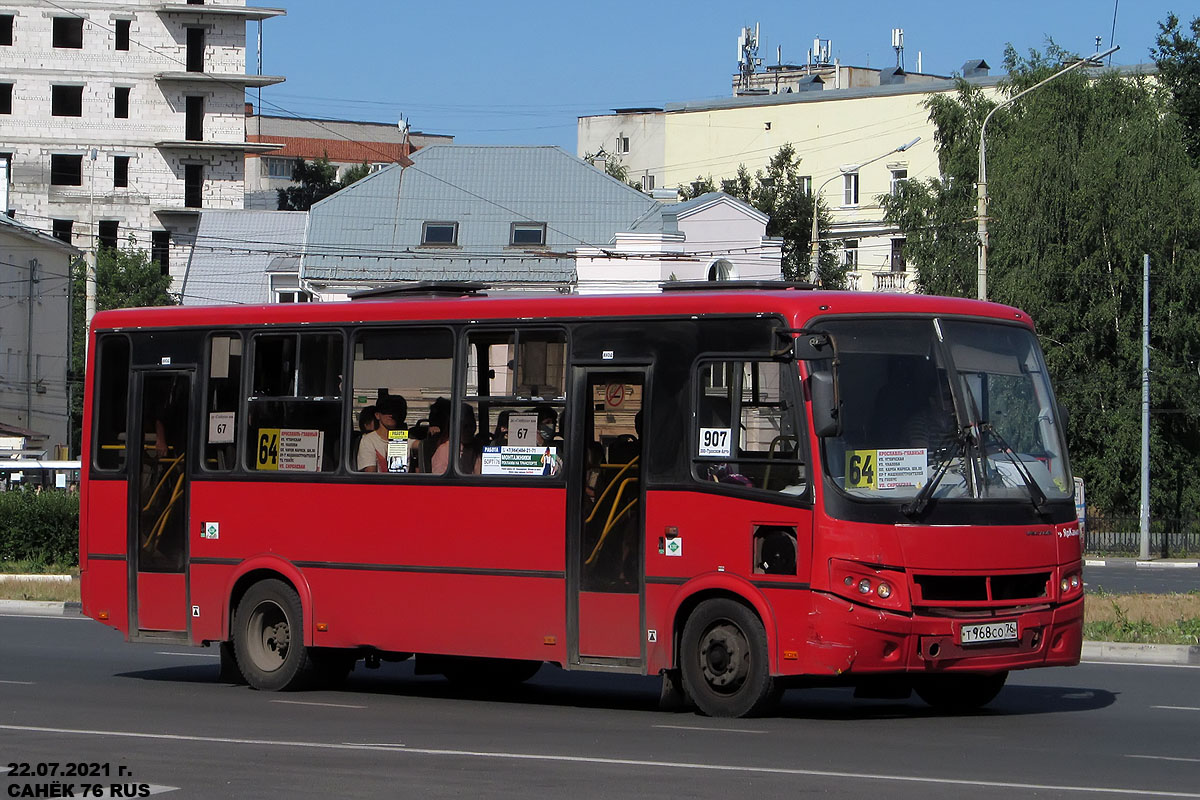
x=988, y=632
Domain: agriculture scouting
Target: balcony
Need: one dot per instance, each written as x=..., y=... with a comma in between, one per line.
x=208, y=147
x=205, y=10
x=236, y=78
x=890, y=281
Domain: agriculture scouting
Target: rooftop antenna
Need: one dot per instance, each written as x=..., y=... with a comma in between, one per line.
x=748, y=59
x=898, y=46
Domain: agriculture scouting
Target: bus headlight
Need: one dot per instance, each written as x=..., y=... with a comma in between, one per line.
x=874, y=586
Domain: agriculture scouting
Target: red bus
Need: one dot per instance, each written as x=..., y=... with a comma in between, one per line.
x=741, y=489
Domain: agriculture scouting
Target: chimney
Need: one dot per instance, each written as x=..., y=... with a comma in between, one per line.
x=977, y=68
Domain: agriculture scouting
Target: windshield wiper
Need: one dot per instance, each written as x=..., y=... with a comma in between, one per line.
x=1035, y=492
x=915, y=507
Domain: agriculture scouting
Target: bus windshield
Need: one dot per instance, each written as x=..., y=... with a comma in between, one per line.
x=963, y=405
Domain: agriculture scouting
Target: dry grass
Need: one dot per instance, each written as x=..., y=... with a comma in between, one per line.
x=1155, y=609
x=39, y=590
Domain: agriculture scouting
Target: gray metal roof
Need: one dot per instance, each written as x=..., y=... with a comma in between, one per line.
x=30, y=232
x=233, y=251
x=371, y=231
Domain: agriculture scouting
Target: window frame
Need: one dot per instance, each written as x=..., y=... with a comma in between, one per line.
x=7, y=26
x=425, y=226
x=121, y=171
x=65, y=36
x=59, y=98
x=540, y=227
x=850, y=189
x=60, y=171
x=121, y=34
x=203, y=378
x=121, y=98
x=850, y=251
x=96, y=470
x=6, y=97
x=897, y=180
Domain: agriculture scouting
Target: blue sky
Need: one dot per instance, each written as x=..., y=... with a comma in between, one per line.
x=520, y=73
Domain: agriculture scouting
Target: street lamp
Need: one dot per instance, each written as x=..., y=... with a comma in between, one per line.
x=842, y=171
x=981, y=212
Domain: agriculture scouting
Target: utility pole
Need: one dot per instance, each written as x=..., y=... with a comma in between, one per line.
x=1144, y=549
x=89, y=280
x=33, y=266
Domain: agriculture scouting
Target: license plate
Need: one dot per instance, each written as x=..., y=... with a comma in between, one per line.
x=988, y=632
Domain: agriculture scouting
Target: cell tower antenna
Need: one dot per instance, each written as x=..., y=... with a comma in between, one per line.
x=898, y=46
x=748, y=60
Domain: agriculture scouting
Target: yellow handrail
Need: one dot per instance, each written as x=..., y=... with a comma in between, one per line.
x=613, y=517
x=611, y=483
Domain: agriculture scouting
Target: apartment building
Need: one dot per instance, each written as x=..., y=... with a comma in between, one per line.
x=125, y=119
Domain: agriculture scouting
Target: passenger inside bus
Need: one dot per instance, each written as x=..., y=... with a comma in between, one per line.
x=390, y=411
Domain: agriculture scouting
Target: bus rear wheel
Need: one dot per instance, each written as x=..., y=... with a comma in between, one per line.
x=723, y=659
x=268, y=638
x=956, y=693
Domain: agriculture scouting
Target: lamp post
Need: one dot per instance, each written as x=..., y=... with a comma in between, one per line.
x=842, y=171
x=981, y=208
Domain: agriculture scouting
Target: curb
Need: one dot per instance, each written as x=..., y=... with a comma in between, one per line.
x=1112, y=562
x=41, y=608
x=9, y=576
x=1142, y=653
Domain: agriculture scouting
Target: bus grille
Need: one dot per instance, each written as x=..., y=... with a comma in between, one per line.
x=982, y=588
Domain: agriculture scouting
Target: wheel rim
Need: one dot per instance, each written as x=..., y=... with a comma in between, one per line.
x=724, y=658
x=268, y=636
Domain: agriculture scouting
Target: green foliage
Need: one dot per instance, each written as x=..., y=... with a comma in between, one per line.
x=613, y=168
x=1085, y=175
x=39, y=528
x=1177, y=57
x=779, y=192
x=317, y=180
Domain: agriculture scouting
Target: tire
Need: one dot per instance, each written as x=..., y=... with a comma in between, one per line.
x=958, y=693
x=268, y=638
x=488, y=674
x=723, y=659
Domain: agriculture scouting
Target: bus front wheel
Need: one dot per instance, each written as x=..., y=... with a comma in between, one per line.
x=723, y=659
x=958, y=693
x=268, y=638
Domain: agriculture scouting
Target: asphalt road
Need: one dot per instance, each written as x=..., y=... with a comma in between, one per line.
x=1123, y=577
x=71, y=691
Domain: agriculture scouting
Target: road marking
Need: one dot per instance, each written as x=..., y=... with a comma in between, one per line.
x=621, y=762
x=1177, y=708
x=1141, y=664
x=702, y=728
x=187, y=655
x=19, y=683
x=308, y=703
x=1166, y=758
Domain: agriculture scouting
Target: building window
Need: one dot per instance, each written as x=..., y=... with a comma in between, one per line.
x=6, y=98
x=66, y=101
x=193, y=126
x=160, y=250
x=62, y=229
x=121, y=103
x=294, y=296
x=121, y=28
x=622, y=144
x=898, y=176
x=443, y=234
x=721, y=270
x=850, y=189
x=648, y=183
x=280, y=167
x=193, y=185
x=195, y=49
x=66, y=170
x=806, y=184
x=68, y=32
x=107, y=233
x=6, y=28
x=897, y=259
x=120, y=172
x=528, y=234
x=850, y=253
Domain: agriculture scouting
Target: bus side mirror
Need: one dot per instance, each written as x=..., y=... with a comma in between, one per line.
x=827, y=419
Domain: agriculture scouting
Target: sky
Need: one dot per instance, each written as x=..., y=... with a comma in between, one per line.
x=521, y=73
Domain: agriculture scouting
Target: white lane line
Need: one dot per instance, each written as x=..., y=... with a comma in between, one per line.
x=19, y=683
x=621, y=762
x=1141, y=664
x=1166, y=758
x=187, y=655
x=702, y=728
x=1177, y=708
x=309, y=703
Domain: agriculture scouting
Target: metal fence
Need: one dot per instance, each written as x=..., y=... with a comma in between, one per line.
x=1122, y=536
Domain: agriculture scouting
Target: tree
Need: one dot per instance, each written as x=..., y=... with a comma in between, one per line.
x=779, y=192
x=613, y=168
x=1085, y=175
x=125, y=278
x=1178, y=60
x=317, y=180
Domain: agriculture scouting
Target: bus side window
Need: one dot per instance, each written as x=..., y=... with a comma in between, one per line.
x=747, y=426
x=111, y=403
x=294, y=414
x=222, y=390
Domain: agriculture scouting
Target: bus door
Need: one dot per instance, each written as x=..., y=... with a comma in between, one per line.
x=158, y=503
x=605, y=550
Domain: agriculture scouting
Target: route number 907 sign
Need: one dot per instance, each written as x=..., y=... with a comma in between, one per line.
x=714, y=442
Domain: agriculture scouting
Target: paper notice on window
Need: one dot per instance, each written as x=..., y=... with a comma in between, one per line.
x=900, y=469
x=397, y=451
x=521, y=461
x=220, y=427
x=300, y=450
x=522, y=430
x=714, y=442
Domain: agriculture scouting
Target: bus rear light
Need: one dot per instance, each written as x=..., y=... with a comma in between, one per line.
x=791, y=655
x=863, y=584
x=550, y=640
x=322, y=627
x=102, y=615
